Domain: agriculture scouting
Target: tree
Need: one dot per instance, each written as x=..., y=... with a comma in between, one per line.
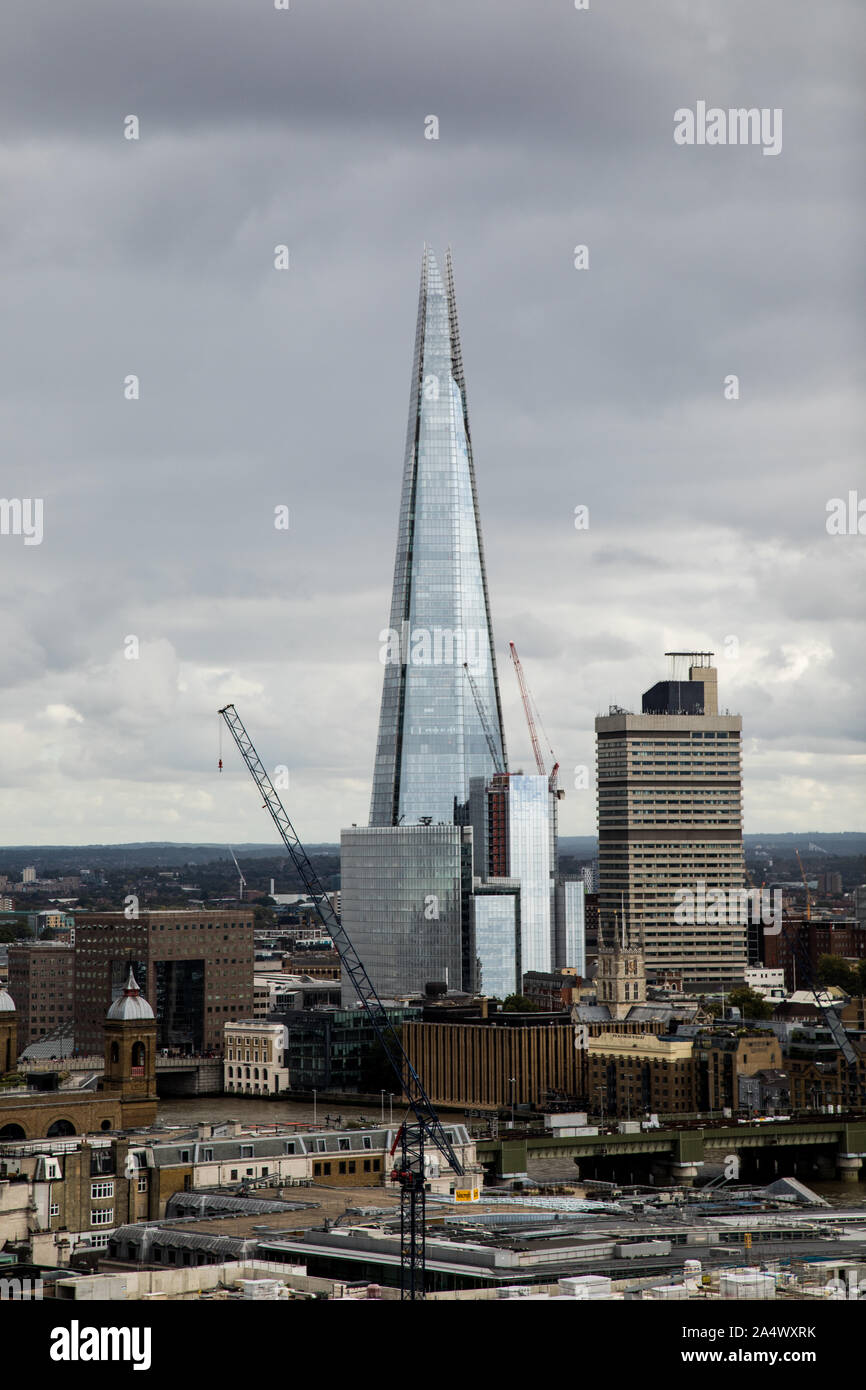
x=519, y=1004
x=832, y=970
x=750, y=1004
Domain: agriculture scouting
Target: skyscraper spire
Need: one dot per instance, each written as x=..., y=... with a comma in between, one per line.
x=431, y=737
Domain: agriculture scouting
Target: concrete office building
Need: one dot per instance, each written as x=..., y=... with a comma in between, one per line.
x=670, y=818
x=197, y=965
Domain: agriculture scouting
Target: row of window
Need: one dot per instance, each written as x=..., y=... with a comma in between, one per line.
x=344, y=1168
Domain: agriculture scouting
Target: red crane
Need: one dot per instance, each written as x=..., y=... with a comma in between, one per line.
x=530, y=719
x=527, y=705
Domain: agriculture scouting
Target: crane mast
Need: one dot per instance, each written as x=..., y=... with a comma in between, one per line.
x=425, y=1124
x=243, y=883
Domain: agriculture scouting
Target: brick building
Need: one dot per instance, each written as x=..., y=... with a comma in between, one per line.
x=196, y=966
x=520, y=1059
x=629, y=1075
x=42, y=983
x=799, y=938
x=125, y=1095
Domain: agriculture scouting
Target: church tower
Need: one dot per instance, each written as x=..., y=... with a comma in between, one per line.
x=130, y=1046
x=621, y=979
x=8, y=1033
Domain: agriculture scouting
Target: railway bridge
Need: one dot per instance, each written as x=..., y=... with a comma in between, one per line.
x=824, y=1147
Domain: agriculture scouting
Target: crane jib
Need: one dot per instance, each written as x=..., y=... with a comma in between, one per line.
x=409, y=1081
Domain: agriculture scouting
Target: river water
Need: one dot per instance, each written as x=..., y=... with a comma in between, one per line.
x=216, y=1109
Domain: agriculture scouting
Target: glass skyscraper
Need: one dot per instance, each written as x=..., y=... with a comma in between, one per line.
x=405, y=901
x=431, y=735
x=444, y=809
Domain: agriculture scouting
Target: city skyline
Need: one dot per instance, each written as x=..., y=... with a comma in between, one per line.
x=596, y=388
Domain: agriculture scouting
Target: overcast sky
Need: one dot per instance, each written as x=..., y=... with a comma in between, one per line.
x=601, y=387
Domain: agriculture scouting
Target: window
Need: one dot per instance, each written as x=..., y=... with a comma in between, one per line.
x=351, y=1165
x=102, y=1216
x=289, y=1146
x=142, y=1182
x=366, y=1165
x=343, y=1167
x=54, y=1209
x=344, y=1144
x=368, y=1142
x=246, y=1150
x=233, y=1175
x=101, y=1189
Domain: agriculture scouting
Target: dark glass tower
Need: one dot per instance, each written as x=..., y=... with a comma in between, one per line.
x=431, y=736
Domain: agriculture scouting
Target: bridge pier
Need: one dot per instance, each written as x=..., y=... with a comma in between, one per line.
x=848, y=1167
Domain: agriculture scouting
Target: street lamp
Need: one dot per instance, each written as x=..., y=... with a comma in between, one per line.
x=315, y=1119
x=512, y=1081
x=391, y=1109
x=382, y=1106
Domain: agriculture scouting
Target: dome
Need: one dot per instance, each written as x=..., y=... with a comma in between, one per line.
x=131, y=1005
x=7, y=1003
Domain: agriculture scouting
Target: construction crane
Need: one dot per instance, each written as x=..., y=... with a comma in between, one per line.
x=527, y=705
x=530, y=719
x=485, y=722
x=806, y=886
x=425, y=1125
x=831, y=1018
x=243, y=883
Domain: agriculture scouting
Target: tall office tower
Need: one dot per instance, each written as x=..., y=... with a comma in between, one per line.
x=669, y=819
x=407, y=878
x=519, y=847
x=431, y=735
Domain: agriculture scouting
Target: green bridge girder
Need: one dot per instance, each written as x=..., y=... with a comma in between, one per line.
x=687, y=1145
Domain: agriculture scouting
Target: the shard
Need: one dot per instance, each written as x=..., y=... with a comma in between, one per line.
x=438, y=728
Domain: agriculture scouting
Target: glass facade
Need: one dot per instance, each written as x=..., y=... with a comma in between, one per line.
x=405, y=904
x=571, y=925
x=529, y=861
x=431, y=737
x=496, y=919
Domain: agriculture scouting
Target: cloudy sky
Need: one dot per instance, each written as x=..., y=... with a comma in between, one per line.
x=601, y=387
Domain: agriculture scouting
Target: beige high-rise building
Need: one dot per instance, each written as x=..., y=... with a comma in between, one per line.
x=671, y=828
